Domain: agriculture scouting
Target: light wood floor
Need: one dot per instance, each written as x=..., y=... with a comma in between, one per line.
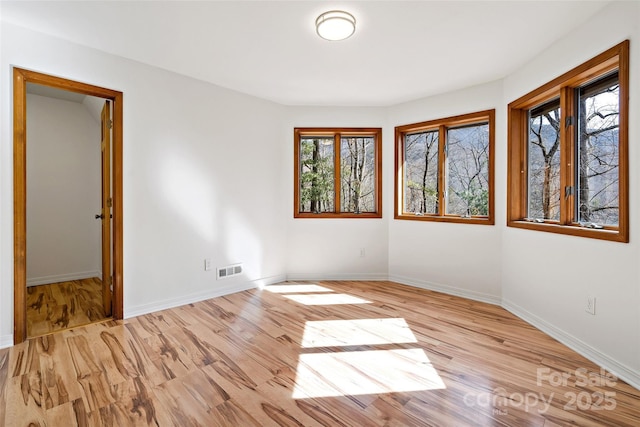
x=63, y=305
x=310, y=354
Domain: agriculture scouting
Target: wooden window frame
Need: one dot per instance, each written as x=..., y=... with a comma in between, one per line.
x=442, y=125
x=615, y=58
x=337, y=134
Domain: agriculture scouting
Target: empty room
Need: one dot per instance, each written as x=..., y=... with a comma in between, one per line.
x=319, y=213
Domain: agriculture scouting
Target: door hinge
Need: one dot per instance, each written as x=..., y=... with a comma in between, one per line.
x=109, y=202
x=110, y=124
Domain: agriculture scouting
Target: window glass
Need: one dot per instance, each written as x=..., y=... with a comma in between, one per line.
x=316, y=175
x=598, y=156
x=421, y=172
x=467, y=170
x=357, y=174
x=544, y=161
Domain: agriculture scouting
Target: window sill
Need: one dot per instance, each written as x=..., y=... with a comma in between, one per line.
x=479, y=220
x=341, y=215
x=614, y=235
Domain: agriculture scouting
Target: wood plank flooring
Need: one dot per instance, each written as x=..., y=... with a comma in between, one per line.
x=57, y=306
x=311, y=354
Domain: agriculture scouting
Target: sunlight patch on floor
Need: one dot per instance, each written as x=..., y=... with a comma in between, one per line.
x=333, y=333
x=326, y=299
x=365, y=372
x=296, y=288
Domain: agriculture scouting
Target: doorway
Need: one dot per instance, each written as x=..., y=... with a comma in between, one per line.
x=110, y=212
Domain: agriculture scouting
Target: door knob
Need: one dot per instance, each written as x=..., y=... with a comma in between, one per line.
x=99, y=216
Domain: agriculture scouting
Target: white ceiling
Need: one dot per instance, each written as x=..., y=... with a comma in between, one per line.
x=401, y=50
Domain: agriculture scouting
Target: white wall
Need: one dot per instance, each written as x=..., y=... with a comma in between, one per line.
x=63, y=191
x=94, y=105
x=546, y=277
x=201, y=176
x=463, y=259
x=189, y=196
x=330, y=248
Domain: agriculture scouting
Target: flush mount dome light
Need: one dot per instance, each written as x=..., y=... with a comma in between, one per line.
x=335, y=25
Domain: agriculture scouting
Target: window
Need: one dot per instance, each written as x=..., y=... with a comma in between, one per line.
x=568, y=161
x=338, y=173
x=444, y=169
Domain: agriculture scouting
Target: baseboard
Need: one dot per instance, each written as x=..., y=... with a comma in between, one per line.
x=57, y=278
x=620, y=370
x=201, y=296
x=318, y=277
x=6, y=341
x=450, y=290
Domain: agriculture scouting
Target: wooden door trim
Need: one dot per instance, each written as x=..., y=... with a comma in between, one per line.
x=20, y=79
x=105, y=207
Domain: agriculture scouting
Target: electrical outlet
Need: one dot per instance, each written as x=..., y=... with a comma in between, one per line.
x=207, y=264
x=591, y=305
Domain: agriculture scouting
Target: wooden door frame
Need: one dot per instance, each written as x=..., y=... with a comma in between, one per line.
x=20, y=79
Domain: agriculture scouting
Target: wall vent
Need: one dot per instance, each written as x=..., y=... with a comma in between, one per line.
x=229, y=271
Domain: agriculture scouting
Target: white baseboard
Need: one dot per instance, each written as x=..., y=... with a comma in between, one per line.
x=6, y=341
x=603, y=360
x=201, y=296
x=57, y=278
x=344, y=276
x=450, y=290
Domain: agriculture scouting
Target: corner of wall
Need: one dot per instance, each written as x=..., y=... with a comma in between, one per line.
x=449, y=290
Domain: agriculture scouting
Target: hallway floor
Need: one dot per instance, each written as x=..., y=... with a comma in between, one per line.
x=57, y=306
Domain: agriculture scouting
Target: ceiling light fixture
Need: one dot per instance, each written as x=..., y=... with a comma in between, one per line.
x=335, y=25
